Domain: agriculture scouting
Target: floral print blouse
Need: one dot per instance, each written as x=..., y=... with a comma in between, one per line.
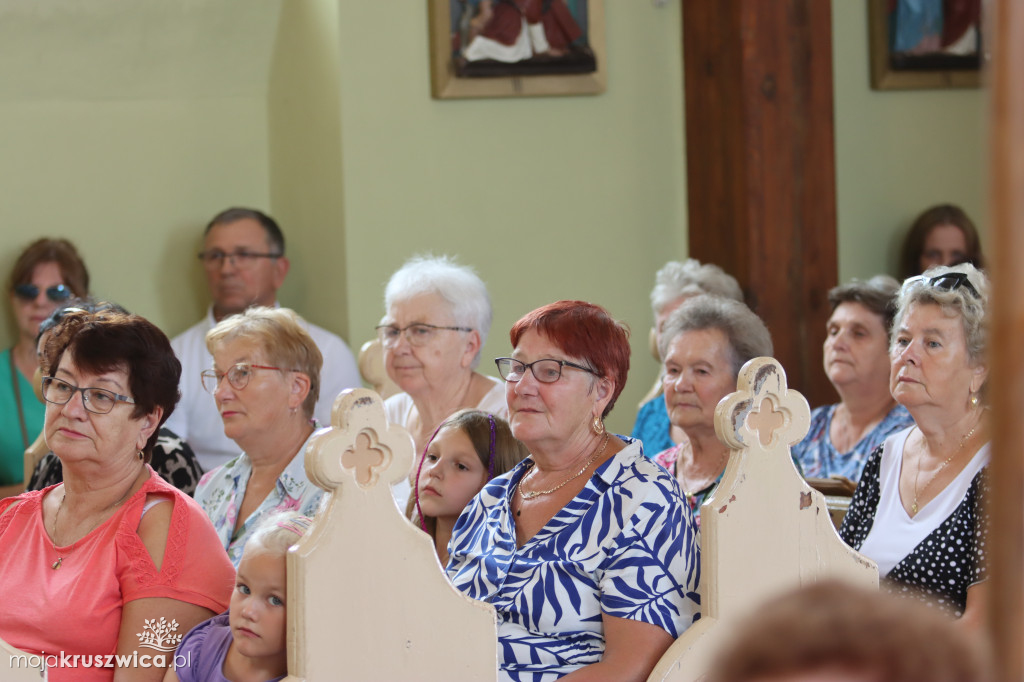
x=221, y=491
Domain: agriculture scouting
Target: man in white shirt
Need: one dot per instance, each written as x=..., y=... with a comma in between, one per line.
x=243, y=256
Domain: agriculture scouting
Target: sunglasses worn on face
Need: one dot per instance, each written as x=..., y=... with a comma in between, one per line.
x=56, y=293
x=948, y=281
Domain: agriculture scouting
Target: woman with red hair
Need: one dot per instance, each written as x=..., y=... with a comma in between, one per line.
x=586, y=549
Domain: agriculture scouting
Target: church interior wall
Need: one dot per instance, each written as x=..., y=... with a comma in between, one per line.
x=128, y=123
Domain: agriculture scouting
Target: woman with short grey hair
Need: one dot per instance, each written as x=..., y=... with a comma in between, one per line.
x=673, y=284
x=705, y=343
x=856, y=360
x=438, y=314
x=919, y=511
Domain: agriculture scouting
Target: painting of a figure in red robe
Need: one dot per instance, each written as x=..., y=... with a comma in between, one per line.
x=492, y=38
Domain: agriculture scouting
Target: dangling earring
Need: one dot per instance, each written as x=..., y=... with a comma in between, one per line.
x=598, y=425
x=974, y=400
x=142, y=456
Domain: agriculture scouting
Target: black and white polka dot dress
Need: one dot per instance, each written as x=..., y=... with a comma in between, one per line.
x=949, y=559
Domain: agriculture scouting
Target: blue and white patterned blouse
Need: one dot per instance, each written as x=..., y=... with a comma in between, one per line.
x=818, y=458
x=221, y=491
x=626, y=546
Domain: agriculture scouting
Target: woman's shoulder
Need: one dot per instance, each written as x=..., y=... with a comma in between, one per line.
x=223, y=476
x=643, y=478
x=823, y=413
x=668, y=457
x=183, y=518
x=27, y=502
x=396, y=408
x=494, y=400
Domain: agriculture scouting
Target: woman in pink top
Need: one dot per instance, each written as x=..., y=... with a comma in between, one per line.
x=103, y=574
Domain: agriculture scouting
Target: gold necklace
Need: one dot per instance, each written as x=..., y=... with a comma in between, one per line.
x=53, y=538
x=527, y=495
x=963, y=442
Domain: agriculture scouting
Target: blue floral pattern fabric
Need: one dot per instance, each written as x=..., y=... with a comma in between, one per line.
x=221, y=491
x=626, y=546
x=818, y=458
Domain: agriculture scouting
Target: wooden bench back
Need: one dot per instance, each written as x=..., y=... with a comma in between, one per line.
x=367, y=597
x=764, y=530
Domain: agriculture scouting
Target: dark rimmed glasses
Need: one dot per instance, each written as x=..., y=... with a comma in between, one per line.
x=417, y=334
x=214, y=258
x=238, y=376
x=57, y=293
x=545, y=371
x=947, y=281
x=95, y=400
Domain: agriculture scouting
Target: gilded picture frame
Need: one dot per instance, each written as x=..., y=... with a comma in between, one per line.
x=914, y=47
x=479, y=48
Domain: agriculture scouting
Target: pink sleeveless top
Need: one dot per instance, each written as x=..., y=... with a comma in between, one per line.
x=76, y=609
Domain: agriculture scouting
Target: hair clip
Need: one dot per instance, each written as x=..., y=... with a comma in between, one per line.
x=298, y=525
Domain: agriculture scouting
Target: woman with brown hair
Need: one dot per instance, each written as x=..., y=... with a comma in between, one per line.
x=48, y=272
x=89, y=564
x=941, y=235
x=469, y=449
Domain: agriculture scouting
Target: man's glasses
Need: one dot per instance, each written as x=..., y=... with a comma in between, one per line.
x=419, y=334
x=214, y=258
x=238, y=376
x=56, y=293
x=947, y=281
x=545, y=371
x=96, y=400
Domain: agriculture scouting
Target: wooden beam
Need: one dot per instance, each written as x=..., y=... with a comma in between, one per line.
x=1006, y=544
x=761, y=165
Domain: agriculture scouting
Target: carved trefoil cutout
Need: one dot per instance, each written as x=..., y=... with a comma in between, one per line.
x=763, y=530
x=367, y=597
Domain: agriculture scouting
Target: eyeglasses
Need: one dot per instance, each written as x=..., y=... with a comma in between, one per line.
x=545, y=371
x=238, y=376
x=214, y=258
x=419, y=334
x=96, y=400
x=56, y=293
x=947, y=281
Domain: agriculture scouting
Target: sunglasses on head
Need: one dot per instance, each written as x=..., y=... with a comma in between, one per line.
x=949, y=281
x=56, y=293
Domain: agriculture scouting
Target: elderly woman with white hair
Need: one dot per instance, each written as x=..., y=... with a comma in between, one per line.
x=438, y=314
x=674, y=283
x=704, y=343
x=919, y=511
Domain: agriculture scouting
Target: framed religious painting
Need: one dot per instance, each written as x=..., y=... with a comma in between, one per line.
x=516, y=48
x=920, y=44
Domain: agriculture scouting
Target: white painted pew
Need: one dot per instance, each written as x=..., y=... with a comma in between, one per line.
x=19, y=666
x=368, y=599
x=764, y=530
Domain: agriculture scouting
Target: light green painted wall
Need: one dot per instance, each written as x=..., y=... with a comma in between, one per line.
x=320, y=110
x=304, y=138
x=548, y=198
x=897, y=152
x=131, y=183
